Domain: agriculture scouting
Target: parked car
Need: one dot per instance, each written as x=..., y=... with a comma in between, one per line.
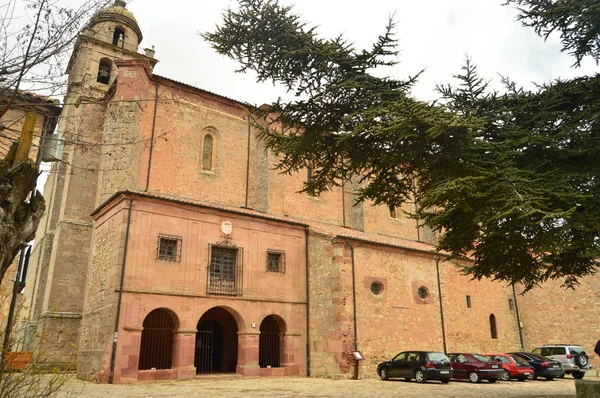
x=514, y=366
x=572, y=357
x=542, y=366
x=475, y=367
x=420, y=365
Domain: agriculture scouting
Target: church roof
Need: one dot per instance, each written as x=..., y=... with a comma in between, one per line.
x=329, y=230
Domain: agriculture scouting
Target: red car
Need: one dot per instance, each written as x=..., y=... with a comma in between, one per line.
x=514, y=366
x=475, y=367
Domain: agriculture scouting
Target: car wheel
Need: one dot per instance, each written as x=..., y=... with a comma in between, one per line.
x=420, y=376
x=505, y=376
x=492, y=380
x=581, y=361
x=532, y=376
x=383, y=373
x=474, y=377
x=445, y=381
x=578, y=375
x=549, y=378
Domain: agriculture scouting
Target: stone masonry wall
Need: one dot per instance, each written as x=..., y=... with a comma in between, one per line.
x=552, y=314
x=99, y=311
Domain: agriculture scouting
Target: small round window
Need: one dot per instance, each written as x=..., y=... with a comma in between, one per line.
x=423, y=292
x=376, y=288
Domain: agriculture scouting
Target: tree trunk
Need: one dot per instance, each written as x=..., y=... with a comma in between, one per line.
x=20, y=212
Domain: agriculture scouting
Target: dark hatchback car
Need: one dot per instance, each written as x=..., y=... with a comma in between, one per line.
x=418, y=365
x=542, y=366
x=475, y=367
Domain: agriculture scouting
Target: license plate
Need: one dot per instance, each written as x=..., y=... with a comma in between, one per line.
x=526, y=373
x=494, y=366
x=444, y=372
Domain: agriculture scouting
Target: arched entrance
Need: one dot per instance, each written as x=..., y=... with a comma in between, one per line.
x=216, y=342
x=156, y=348
x=270, y=342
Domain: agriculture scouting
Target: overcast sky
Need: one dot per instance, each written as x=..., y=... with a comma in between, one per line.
x=434, y=35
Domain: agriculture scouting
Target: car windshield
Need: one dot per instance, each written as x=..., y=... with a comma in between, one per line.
x=540, y=357
x=577, y=350
x=519, y=360
x=480, y=358
x=437, y=356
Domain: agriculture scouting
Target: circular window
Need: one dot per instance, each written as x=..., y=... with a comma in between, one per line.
x=423, y=292
x=376, y=288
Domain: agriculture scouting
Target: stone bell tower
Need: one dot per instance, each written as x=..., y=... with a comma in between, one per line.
x=54, y=292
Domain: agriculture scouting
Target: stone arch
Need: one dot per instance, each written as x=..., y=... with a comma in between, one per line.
x=158, y=333
x=216, y=347
x=105, y=67
x=271, y=341
x=119, y=33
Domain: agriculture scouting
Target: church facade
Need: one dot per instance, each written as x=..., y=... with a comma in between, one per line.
x=171, y=248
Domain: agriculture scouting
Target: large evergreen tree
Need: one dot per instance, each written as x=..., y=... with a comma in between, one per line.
x=511, y=179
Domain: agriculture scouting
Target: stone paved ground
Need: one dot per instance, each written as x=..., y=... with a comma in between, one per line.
x=309, y=387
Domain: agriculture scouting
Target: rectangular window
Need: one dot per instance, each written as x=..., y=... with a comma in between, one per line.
x=169, y=248
x=511, y=304
x=224, y=271
x=275, y=261
x=468, y=301
x=393, y=212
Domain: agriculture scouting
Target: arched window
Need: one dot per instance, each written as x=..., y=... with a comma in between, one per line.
x=156, y=348
x=207, y=152
x=119, y=33
x=104, y=71
x=493, y=329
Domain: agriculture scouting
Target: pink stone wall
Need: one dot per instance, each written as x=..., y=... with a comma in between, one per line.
x=181, y=286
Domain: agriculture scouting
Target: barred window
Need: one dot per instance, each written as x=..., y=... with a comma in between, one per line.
x=275, y=261
x=169, y=248
x=224, y=271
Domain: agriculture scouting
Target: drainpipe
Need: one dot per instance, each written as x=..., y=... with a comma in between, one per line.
x=248, y=164
x=353, y=294
x=116, y=335
x=152, y=138
x=343, y=203
x=437, y=267
x=307, y=304
x=518, y=318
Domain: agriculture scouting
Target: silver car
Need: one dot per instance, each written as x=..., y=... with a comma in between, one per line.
x=573, y=358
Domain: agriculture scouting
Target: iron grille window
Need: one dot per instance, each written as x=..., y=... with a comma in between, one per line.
x=224, y=271
x=275, y=261
x=169, y=248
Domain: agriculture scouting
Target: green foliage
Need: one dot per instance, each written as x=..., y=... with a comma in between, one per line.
x=578, y=22
x=511, y=179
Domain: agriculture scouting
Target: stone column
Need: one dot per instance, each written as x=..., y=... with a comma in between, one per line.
x=247, y=363
x=127, y=362
x=288, y=359
x=184, y=348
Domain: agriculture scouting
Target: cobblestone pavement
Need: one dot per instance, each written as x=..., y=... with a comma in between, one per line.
x=310, y=387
